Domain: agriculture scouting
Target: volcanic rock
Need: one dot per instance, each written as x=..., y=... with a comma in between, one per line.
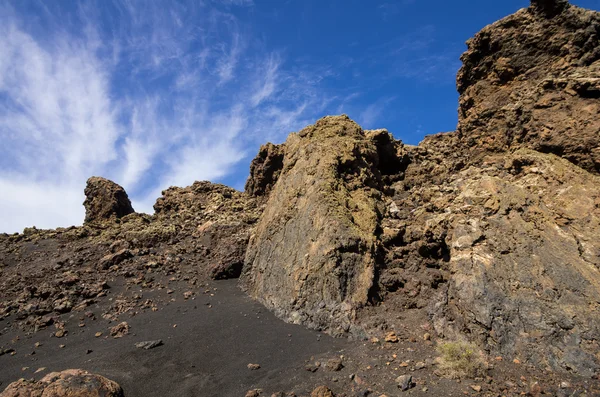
x=532, y=80
x=69, y=383
x=105, y=201
x=265, y=169
x=312, y=256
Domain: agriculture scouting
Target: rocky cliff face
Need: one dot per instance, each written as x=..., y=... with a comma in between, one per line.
x=487, y=234
x=533, y=80
x=483, y=229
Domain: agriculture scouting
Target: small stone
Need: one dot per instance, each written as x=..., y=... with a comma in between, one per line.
x=374, y=340
x=391, y=337
x=253, y=367
x=334, y=364
x=535, y=390
x=42, y=369
x=517, y=361
x=313, y=367
x=37, y=344
x=322, y=391
x=188, y=295
x=98, y=334
x=147, y=345
x=476, y=388
x=119, y=330
x=420, y=365
x=62, y=346
x=404, y=382
x=60, y=333
x=253, y=393
x=427, y=336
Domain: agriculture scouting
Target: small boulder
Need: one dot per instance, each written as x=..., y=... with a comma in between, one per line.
x=404, y=382
x=119, y=330
x=322, y=391
x=69, y=383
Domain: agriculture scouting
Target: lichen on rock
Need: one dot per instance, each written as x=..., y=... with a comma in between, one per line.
x=312, y=256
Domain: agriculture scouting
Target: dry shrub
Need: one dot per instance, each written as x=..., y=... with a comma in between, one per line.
x=460, y=360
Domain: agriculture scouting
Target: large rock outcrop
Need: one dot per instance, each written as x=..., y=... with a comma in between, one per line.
x=68, y=383
x=533, y=80
x=105, y=201
x=312, y=257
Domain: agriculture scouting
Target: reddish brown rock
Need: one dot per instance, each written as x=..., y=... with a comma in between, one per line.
x=69, y=383
x=532, y=80
x=322, y=391
x=105, y=201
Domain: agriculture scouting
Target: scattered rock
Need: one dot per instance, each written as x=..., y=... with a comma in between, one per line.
x=119, y=330
x=253, y=367
x=254, y=393
x=147, y=345
x=404, y=382
x=391, y=337
x=476, y=388
x=535, y=390
x=335, y=364
x=322, y=391
x=313, y=367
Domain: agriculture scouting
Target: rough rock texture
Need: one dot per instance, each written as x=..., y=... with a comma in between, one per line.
x=533, y=80
x=69, y=383
x=503, y=254
x=524, y=260
x=312, y=257
x=265, y=169
x=105, y=201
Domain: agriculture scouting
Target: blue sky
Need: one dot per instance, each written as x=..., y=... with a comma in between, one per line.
x=158, y=93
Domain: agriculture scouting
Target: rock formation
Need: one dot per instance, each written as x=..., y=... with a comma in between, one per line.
x=488, y=233
x=312, y=256
x=105, y=201
x=69, y=383
x=533, y=80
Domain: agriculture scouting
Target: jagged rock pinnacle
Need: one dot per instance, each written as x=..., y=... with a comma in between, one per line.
x=105, y=200
x=549, y=7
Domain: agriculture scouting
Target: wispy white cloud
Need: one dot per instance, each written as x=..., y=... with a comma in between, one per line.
x=372, y=113
x=164, y=93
